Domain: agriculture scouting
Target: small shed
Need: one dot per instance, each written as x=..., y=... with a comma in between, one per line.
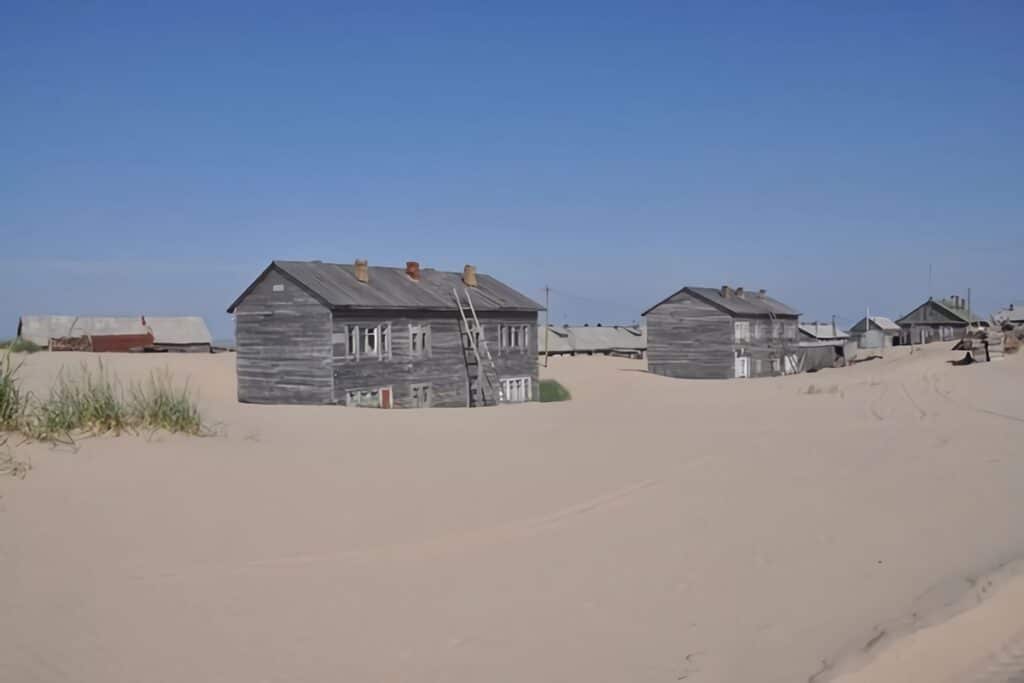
x=876, y=332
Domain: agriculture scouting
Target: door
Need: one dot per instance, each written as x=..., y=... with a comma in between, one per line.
x=742, y=366
x=385, y=398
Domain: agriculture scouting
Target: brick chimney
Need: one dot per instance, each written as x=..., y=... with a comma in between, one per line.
x=469, y=275
x=739, y=292
x=761, y=293
x=362, y=270
x=412, y=269
x=725, y=291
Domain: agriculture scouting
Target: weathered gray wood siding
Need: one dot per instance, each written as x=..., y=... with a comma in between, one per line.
x=283, y=342
x=764, y=348
x=687, y=337
x=930, y=322
x=444, y=369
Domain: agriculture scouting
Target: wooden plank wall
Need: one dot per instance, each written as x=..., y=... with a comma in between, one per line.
x=687, y=337
x=445, y=369
x=283, y=342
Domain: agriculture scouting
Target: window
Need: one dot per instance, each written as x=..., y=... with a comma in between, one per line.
x=776, y=329
x=790, y=330
x=516, y=389
x=369, y=398
x=776, y=368
x=360, y=342
x=514, y=337
x=420, y=394
x=742, y=330
x=759, y=330
x=419, y=341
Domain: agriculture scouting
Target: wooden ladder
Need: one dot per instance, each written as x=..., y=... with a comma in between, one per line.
x=484, y=374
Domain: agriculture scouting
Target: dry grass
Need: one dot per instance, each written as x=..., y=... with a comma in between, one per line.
x=94, y=402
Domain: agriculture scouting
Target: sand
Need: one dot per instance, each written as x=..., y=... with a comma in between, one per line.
x=649, y=530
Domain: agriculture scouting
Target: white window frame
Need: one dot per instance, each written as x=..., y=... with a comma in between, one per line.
x=741, y=330
x=776, y=329
x=759, y=329
x=355, y=338
x=789, y=330
x=517, y=389
x=514, y=338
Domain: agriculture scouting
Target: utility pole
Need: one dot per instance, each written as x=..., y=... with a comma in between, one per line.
x=547, y=322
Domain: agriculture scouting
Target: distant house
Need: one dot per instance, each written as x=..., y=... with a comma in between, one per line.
x=818, y=332
x=707, y=333
x=875, y=332
x=945, y=320
x=356, y=335
x=1010, y=315
x=607, y=340
x=117, y=333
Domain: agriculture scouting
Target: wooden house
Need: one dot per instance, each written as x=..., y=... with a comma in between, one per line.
x=876, y=332
x=314, y=332
x=706, y=333
x=945, y=320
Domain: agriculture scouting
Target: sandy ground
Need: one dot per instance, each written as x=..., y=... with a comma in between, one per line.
x=649, y=530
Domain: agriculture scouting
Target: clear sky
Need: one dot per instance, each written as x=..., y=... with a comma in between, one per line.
x=155, y=156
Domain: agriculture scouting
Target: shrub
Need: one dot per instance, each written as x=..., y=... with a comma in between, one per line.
x=552, y=391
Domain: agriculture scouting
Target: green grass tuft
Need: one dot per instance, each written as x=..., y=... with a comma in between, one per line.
x=19, y=345
x=156, y=404
x=12, y=399
x=552, y=391
x=94, y=402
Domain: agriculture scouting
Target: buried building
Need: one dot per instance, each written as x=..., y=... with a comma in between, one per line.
x=706, y=333
x=313, y=332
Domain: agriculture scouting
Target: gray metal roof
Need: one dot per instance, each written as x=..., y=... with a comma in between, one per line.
x=822, y=331
x=335, y=285
x=594, y=338
x=39, y=329
x=179, y=330
x=750, y=304
x=881, y=322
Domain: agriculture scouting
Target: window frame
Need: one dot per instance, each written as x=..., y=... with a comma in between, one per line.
x=354, y=337
x=741, y=325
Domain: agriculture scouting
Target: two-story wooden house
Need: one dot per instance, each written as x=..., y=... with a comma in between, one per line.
x=706, y=333
x=314, y=332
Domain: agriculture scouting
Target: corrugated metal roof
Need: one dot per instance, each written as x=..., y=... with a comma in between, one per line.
x=39, y=329
x=335, y=284
x=752, y=303
x=594, y=338
x=822, y=331
x=179, y=330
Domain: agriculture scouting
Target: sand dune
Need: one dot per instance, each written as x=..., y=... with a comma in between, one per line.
x=649, y=530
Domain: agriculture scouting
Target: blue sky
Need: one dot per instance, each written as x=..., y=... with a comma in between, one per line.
x=155, y=156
